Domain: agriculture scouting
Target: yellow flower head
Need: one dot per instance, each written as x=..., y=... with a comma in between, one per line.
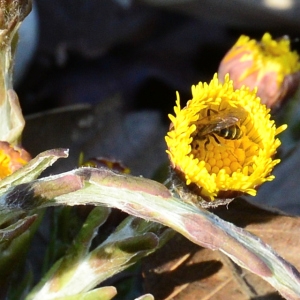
x=222, y=143
x=11, y=159
x=269, y=65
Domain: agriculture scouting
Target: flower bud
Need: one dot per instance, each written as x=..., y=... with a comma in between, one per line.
x=111, y=163
x=268, y=65
x=12, y=158
x=13, y=12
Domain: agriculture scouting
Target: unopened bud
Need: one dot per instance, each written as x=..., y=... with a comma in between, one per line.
x=268, y=65
x=12, y=158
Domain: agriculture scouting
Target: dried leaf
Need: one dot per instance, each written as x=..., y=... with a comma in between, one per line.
x=182, y=270
x=277, y=229
x=12, y=122
x=102, y=130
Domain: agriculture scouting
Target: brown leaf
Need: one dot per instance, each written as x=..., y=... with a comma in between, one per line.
x=100, y=130
x=275, y=228
x=182, y=270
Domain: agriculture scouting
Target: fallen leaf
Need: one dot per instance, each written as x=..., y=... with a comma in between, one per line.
x=183, y=270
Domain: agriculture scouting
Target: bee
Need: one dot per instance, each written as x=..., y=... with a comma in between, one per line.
x=224, y=123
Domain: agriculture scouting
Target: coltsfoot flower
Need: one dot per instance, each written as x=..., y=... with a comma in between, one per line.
x=270, y=65
x=11, y=158
x=222, y=143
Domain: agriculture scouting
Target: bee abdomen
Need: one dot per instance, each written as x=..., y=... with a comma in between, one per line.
x=230, y=133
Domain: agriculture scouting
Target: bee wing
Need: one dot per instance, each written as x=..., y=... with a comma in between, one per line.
x=220, y=120
x=215, y=124
x=239, y=113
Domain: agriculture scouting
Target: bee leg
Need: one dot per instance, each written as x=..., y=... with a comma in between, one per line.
x=206, y=143
x=206, y=148
x=209, y=110
x=208, y=140
x=216, y=139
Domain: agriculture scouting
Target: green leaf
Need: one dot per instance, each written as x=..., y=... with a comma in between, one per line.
x=145, y=297
x=36, y=194
x=150, y=200
x=14, y=247
x=16, y=229
x=133, y=239
x=33, y=169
